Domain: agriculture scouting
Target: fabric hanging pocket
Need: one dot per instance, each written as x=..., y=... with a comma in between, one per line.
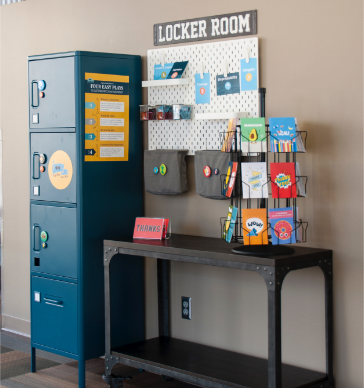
x=209, y=165
x=165, y=172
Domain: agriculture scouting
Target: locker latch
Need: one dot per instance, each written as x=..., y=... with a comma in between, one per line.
x=36, y=296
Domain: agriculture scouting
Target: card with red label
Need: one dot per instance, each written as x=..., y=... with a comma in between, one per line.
x=149, y=228
x=232, y=179
x=283, y=179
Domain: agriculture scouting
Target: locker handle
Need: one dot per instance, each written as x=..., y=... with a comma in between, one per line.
x=36, y=237
x=36, y=92
x=55, y=305
x=36, y=166
x=52, y=302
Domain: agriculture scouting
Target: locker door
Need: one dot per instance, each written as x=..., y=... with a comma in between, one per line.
x=59, y=255
x=57, y=108
x=57, y=182
x=54, y=314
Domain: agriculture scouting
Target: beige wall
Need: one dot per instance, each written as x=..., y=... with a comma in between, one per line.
x=311, y=57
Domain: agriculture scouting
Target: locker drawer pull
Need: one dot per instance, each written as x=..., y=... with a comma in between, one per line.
x=53, y=301
x=57, y=303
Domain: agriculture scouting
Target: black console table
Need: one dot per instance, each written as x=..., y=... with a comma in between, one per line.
x=207, y=366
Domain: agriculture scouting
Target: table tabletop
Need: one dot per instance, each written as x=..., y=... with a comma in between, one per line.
x=211, y=251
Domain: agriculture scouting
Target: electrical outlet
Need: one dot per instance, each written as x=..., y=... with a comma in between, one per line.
x=186, y=307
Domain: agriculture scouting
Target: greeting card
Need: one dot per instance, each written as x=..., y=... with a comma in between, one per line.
x=254, y=180
x=248, y=74
x=253, y=135
x=282, y=226
x=161, y=72
x=229, y=136
x=227, y=85
x=284, y=135
x=283, y=180
x=202, y=88
x=255, y=226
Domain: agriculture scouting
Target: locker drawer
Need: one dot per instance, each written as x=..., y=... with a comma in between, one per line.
x=57, y=183
x=57, y=108
x=54, y=314
x=59, y=257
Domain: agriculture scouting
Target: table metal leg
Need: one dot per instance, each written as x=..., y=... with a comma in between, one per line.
x=329, y=319
x=108, y=254
x=163, y=268
x=273, y=277
x=112, y=380
x=107, y=310
x=274, y=339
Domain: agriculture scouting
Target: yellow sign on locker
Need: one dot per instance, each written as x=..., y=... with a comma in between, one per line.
x=60, y=170
x=106, y=117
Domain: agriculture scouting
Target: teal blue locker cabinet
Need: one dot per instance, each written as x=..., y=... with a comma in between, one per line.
x=102, y=198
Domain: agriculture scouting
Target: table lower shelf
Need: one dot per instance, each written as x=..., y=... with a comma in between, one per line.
x=207, y=366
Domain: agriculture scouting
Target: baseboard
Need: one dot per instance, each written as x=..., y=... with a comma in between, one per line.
x=16, y=325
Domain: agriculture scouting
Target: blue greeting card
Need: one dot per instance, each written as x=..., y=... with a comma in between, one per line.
x=248, y=74
x=283, y=134
x=227, y=85
x=162, y=72
x=282, y=225
x=202, y=88
x=230, y=232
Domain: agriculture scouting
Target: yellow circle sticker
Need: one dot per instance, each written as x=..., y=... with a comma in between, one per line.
x=248, y=77
x=60, y=170
x=163, y=169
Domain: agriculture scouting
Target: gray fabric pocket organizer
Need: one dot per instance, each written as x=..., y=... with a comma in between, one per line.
x=174, y=181
x=210, y=187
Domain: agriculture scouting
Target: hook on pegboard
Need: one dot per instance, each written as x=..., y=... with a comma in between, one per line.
x=162, y=57
x=247, y=52
x=226, y=69
x=201, y=69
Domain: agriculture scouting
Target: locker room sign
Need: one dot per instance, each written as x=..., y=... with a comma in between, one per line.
x=206, y=28
x=106, y=117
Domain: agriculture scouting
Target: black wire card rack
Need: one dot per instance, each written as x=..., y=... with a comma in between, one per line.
x=241, y=200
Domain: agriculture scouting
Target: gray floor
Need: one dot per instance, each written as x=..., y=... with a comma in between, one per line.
x=22, y=344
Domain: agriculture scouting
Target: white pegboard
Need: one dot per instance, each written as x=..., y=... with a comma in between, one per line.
x=199, y=134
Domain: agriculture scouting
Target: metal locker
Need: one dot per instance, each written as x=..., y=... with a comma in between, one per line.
x=55, y=154
x=54, y=240
x=78, y=199
x=57, y=108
